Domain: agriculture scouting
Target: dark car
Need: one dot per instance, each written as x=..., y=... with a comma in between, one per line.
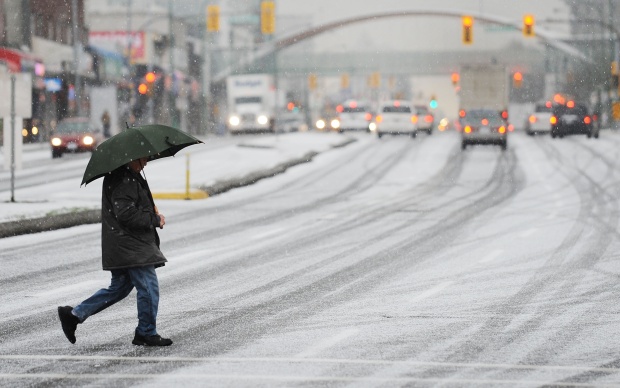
x=74, y=135
x=572, y=119
x=483, y=126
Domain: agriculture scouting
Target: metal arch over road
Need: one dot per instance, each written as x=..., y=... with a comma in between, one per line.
x=277, y=45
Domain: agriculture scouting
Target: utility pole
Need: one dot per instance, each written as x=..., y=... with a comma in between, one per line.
x=172, y=76
x=76, y=55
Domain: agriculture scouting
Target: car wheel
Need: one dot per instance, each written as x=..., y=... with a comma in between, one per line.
x=413, y=135
x=504, y=145
x=56, y=154
x=589, y=134
x=596, y=135
x=553, y=135
x=379, y=134
x=463, y=145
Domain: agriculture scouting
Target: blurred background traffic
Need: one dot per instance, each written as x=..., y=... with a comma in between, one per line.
x=226, y=67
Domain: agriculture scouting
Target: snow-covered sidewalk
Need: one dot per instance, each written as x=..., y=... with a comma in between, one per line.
x=209, y=165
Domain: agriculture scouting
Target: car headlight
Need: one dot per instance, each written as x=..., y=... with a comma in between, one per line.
x=234, y=121
x=320, y=124
x=88, y=140
x=262, y=119
x=372, y=126
x=56, y=141
x=335, y=123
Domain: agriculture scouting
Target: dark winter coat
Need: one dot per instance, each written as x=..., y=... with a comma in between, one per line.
x=128, y=222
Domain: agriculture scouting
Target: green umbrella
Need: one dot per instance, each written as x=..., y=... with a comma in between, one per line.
x=152, y=141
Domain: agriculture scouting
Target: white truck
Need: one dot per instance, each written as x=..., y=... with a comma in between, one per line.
x=483, y=106
x=251, y=103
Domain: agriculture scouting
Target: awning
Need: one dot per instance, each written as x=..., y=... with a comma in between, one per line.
x=110, y=65
x=19, y=61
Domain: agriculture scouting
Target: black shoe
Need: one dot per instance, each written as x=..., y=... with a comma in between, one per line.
x=68, y=321
x=152, y=340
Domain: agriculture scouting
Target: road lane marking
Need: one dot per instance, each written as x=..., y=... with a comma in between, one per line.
x=491, y=256
x=287, y=378
x=297, y=360
x=328, y=343
x=435, y=290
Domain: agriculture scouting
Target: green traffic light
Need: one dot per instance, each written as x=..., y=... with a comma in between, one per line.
x=433, y=104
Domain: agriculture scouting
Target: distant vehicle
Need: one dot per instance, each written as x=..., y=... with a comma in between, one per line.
x=483, y=111
x=540, y=119
x=75, y=135
x=396, y=118
x=426, y=120
x=483, y=126
x=291, y=121
x=251, y=103
x=354, y=116
x=572, y=119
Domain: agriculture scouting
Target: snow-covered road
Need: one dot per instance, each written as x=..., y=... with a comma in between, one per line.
x=392, y=262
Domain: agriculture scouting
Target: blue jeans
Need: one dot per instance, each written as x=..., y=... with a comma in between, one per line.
x=144, y=279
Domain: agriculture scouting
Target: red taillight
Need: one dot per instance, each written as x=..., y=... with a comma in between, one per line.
x=339, y=109
x=428, y=118
x=368, y=116
x=462, y=113
x=587, y=120
x=485, y=122
x=594, y=117
x=505, y=114
x=533, y=119
x=570, y=104
x=511, y=127
x=553, y=120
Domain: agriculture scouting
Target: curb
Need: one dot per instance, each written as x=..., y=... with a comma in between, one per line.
x=93, y=216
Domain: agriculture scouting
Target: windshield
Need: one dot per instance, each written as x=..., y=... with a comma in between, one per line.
x=73, y=127
x=353, y=110
x=248, y=100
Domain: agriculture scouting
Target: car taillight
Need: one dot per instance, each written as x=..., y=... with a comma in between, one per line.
x=467, y=129
x=414, y=119
x=428, y=118
x=368, y=116
x=462, y=113
x=379, y=118
x=501, y=129
x=511, y=127
x=553, y=120
x=484, y=122
x=587, y=120
x=533, y=119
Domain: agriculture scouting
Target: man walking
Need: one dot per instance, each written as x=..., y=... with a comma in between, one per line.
x=130, y=251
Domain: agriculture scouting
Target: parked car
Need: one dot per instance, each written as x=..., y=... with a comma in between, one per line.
x=396, y=118
x=354, y=116
x=540, y=119
x=426, y=120
x=572, y=118
x=74, y=135
x=483, y=126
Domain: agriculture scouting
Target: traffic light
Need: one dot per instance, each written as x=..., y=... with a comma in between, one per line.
x=517, y=79
x=468, y=33
x=213, y=18
x=455, y=78
x=267, y=17
x=344, y=81
x=528, y=25
x=147, y=87
x=312, y=81
x=433, y=103
x=374, y=81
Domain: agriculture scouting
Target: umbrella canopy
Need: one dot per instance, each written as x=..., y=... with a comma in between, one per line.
x=152, y=141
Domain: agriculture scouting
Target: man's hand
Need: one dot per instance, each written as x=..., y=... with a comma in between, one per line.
x=162, y=221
